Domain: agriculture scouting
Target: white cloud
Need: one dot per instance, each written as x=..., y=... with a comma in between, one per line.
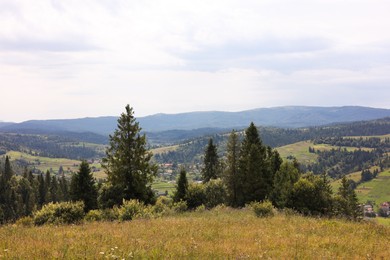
x=173, y=56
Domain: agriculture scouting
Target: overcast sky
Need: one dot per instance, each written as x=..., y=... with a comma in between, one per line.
x=72, y=59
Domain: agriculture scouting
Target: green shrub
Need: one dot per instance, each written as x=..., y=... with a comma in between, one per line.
x=215, y=192
x=60, y=213
x=110, y=214
x=180, y=206
x=196, y=195
x=25, y=222
x=94, y=215
x=200, y=208
x=163, y=206
x=263, y=209
x=132, y=209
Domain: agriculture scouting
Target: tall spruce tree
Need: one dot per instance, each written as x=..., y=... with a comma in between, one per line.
x=182, y=186
x=211, y=162
x=127, y=164
x=253, y=169
x=231, y=173
x=7, y=169
x=83, y=188
x=346, y=202
x=284, y=180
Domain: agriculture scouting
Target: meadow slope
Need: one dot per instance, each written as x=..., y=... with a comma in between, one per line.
x=218, y=234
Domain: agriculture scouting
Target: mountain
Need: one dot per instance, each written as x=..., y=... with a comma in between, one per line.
x=289, y=117
x=3, y=124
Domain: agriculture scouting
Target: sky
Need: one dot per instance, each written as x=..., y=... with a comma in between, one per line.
x=73, y=59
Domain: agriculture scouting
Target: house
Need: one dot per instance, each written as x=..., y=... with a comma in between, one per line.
x=384, y=209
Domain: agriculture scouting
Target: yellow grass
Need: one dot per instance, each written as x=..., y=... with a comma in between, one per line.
x=46, y=163
x=165, y=149
x=218, y=234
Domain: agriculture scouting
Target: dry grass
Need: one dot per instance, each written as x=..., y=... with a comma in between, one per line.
x=217, y=234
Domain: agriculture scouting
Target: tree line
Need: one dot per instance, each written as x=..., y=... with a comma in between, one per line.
x=250, y=172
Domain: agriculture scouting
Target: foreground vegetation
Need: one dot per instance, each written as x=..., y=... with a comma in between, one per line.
x=222, y=233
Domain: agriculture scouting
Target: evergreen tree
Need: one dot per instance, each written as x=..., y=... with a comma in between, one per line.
x=346, y=202
x=127, y=163
x=182, y=186
x=53, y=189
x=42, y=191
x=284, y=180
x=26, y=192
x=211, y=162
x=231, y=173
x=7, y=169
x=83, y=188
x=47, y=186
x=64, y=188
x=253, y=184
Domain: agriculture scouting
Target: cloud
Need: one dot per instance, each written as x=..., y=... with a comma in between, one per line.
x=89, y=58
x=72, y=44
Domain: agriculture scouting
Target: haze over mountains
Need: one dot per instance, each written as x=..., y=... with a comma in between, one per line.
x=286, y=117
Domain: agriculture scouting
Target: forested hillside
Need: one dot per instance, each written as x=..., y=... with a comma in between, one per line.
x=191, y=151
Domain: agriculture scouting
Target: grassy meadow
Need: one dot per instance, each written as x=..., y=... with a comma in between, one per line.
x=45, y=163
x=375, y=190
x=222, y=233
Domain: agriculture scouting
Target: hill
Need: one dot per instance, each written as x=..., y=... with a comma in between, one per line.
x=222, y=233
x=291, y=117
x=376, y=190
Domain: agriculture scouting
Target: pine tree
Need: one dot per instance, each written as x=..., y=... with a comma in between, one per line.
x=284, y=180
x=182, y=186
x=211, y=162
x=42, y=191
x=83, y=188
x=253, y=169
x=7, y=169
x=346, y=202
x=53, y=189
x=231, y=173
x=64, y=188
x=127, y=164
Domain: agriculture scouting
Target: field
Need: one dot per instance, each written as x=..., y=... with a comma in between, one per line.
x=375, y=190
x=164, y=186
x=45, y=163
x=164, y=149
x=299, y=150
x=216, y=234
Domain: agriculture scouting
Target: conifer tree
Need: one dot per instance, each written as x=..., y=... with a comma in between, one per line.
x=83, y=188
x=42, y=191
x=211, y=162
x=53, y=189
x=346, y=201
x=7, y=169
x=253, y=168
x=182, y=186
x=231, y=173
x=127, y=164
x=284, y=180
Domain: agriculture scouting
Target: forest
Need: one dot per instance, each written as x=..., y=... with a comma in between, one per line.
x=250, y=172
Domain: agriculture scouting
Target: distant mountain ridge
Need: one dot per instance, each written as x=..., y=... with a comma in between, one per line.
x=286, y=117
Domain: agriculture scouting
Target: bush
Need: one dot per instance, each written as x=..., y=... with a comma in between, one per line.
x=25, y=222
x=110, y=214
x=180, y=206
x=196, y=195
x=94, y=215
x=263, y=209
x=215, y=192
x=201, y=208
x=132, y=209
x=163, y=206
x=60, y=213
